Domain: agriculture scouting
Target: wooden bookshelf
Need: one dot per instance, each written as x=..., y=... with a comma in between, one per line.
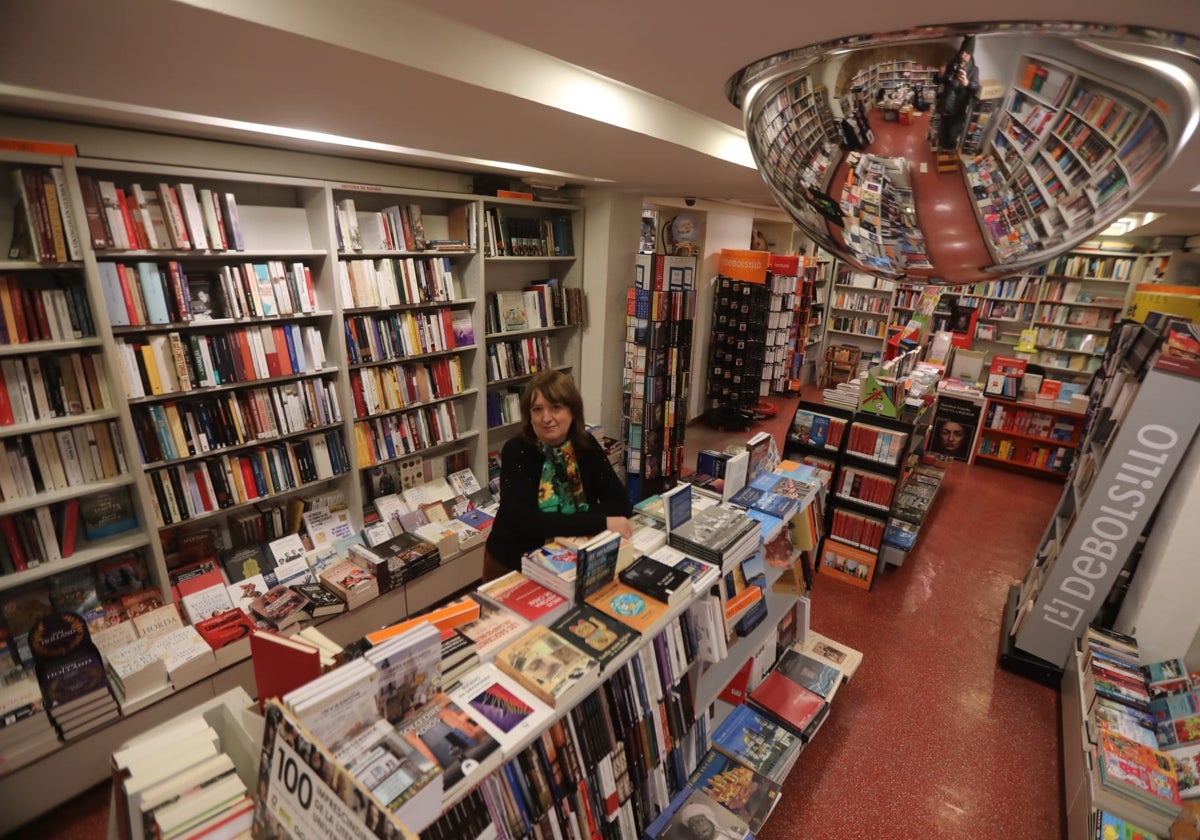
x=1029, y=436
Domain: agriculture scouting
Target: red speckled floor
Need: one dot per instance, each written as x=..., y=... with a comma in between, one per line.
x=931, y=739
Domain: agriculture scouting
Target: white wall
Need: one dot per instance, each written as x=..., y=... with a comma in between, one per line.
x=613, y=225
x=1162, y=606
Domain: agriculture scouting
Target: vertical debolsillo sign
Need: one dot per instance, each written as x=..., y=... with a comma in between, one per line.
x=1141, y=460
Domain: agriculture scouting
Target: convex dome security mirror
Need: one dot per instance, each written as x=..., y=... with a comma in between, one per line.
x=961, y=153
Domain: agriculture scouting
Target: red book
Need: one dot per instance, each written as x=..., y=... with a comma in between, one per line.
x=248, y=478
x=202, y=487
x=70, y=527
x=225, y=628
x=131, y=230
x=788, y=702
x=127, y=294
x=39, y=309
x=356, y=388
x=734, y=692
x=18, y=304
x=527, y=598
x=448, y=328
x=281, y=664
x=92, y=212
x=6, y=415
x=243, y=345
x=14, y=544
x=271, y=355
x=281, y=347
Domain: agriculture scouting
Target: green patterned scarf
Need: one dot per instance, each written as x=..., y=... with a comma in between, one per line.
x=561, y=488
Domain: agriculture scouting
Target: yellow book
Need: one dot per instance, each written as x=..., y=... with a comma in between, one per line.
x=175, y=425
x=151, y=367
x=363, y=446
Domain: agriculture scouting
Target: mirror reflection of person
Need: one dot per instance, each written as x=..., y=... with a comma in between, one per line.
x=958, y=85
x=555, y=479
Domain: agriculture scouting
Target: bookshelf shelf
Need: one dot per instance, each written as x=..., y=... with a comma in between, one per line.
x=415, y=405
x=231, y=386
x=1015, y=462
x=115, y=255
x=400, y=307
x=34, y=347
x=377, y=253
x=250, y=444
x=85, y=554
x=52, y=423
x=55, y=496
x=219, y=323
x=501, y=336
x=453, y=443
x=249, y=504
x=416, y=357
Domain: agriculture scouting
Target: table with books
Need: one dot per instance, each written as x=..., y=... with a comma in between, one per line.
x=477, y=713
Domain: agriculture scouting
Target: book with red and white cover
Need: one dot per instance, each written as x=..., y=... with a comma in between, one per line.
x=527, y=598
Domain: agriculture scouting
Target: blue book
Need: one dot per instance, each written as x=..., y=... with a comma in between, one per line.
x=757, y=742
x=153, y=293
x=724, y=780
x=819, y=433
x=114, y=300
x=289, y=340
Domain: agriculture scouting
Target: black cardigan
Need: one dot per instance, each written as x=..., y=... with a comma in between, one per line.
x=521, y=526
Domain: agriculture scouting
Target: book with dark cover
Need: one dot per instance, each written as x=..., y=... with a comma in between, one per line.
x=597, y=634
x=596, y=564
x=58, y=635
x=759, y=742
x=788, y=702
x=73, y=681
x=246, y=562
x=750, y=795
x=456, y=648
x=818, y=677
x=658, y=580
x=321, y=601
x=107, y=512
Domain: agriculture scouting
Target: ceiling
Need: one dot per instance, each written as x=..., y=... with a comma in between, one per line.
x=631, y=94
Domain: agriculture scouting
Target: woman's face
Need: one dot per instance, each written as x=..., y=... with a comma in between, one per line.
x=551, y=421
x=952, y=436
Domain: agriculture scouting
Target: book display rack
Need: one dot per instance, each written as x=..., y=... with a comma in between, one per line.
x=815, y=274
x=1028, y=435
x=1135, y=391
x=737, y=345
x=189, y=345
x=804, y=138
x=909, y=510
x=787, y=325
x=659, y=313
x=1082, y=296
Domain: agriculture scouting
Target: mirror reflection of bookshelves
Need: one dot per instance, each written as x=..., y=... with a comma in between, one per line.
x=1068, y=149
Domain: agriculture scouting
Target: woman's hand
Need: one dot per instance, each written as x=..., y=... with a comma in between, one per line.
x=621, y=525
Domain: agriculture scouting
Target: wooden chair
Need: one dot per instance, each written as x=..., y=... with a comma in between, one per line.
x=841, y=364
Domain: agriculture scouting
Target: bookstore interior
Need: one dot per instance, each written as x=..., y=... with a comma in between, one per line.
x=253, y=403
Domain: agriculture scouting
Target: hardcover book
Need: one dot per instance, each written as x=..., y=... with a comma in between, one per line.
x=281, y=605
x=410, y=670
x=843, y=657
x=599, y=635
x=525, y=597
x=819, y=678
x=759, y=742
x=281, y=664
x=657, y=580
x=549, y=666
x=73, y=681
x=505, y=709
x=701, y=816
x=750, y=795
x=247, y=562
x=455, y=740
x=225, y=629
x=596, y=564
x=628, y=606
x=321, y=601
x=788, y=702
x=107, y=512
x=494, y=628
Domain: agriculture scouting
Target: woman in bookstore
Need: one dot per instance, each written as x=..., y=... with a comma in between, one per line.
x=555, y=479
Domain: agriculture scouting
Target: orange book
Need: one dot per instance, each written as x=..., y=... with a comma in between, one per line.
x=454, y=614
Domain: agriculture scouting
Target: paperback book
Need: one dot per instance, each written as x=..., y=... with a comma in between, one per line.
x=504, y=708
x=549, y=666
x=600, y=636
x=748, y=794
x=456, y=741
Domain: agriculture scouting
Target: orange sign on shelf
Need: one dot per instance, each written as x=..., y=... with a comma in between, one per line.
x=37, y=147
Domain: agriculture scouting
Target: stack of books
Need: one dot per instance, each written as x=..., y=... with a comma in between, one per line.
x=25, y=731
x=72, y=675
x=719, y=535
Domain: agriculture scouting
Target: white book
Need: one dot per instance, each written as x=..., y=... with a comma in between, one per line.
x=187, y=656
x=350, y=231
x=502, y=707
x=206, y=603
x=212, y=225
x=168, y=790
x=37, y=387
x=67, y=211
x=291, y=572
x=320, y=453
x=70, y=457
x=287, y=548
x=192, y=216
x=12, y=379
x=45, y=450
x=9, y=487
x=337, y=703
x=49, y=537
x=111, y=208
